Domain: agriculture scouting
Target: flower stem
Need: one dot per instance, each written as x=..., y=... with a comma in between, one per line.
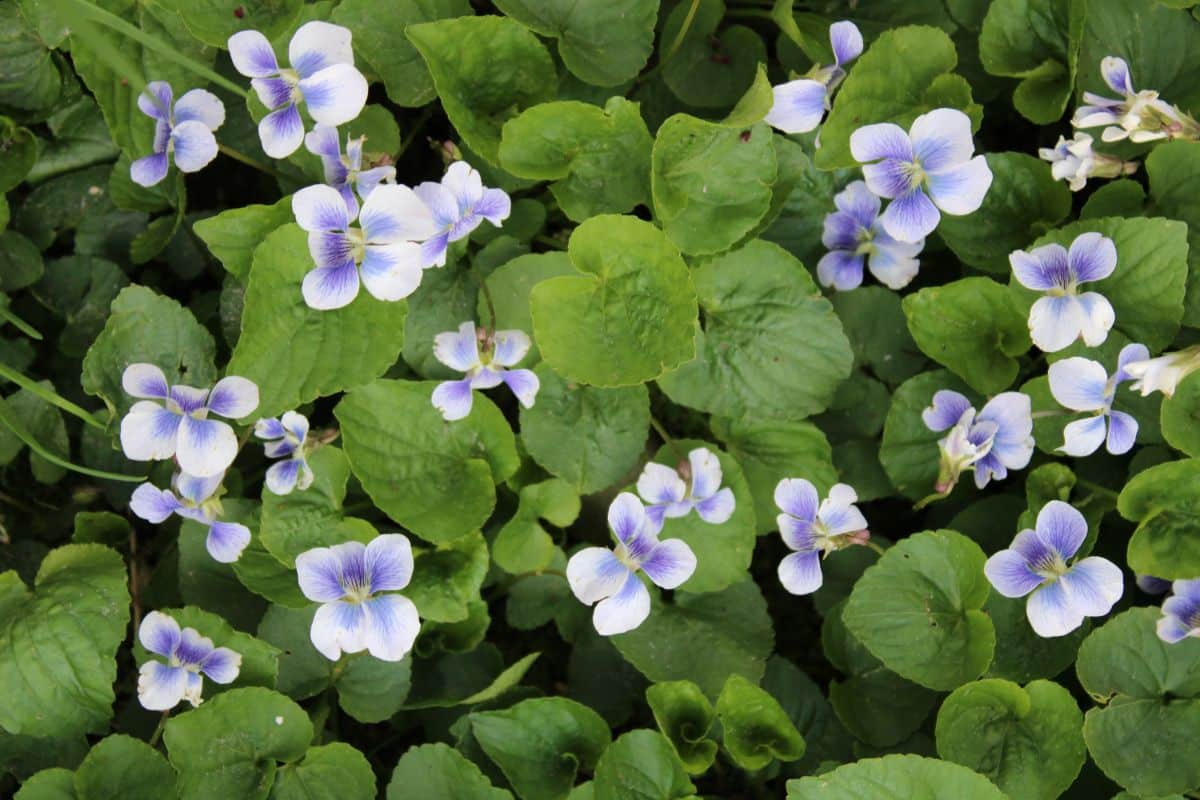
x=158, y=731
x=681, y=35
x=875, y=546
x=238, y=155
x=1096, y=488
x=50, y=396
x=933, y=498
x=418, y=126
x=487, y=296
x=666, y=437
x=20, y=324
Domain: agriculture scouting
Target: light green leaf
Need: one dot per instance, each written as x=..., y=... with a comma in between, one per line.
x=1032, y=40
x=300, y=521
x=446, y=579
x=878, y=332
x=896, y=777
x=124, y=767
x=523, y=545
x=1181, y=417
x=510, y=285
x=29, y=77
x=640, y=765
x=685, y=716
x=755, y=728
x=234, y=234
x=1171, y=168
x=334, y=771
x=1165, y=502
x=708, y=68
x=437, y=770
x=214, y=21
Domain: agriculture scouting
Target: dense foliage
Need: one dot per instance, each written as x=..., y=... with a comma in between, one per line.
x=613, y=399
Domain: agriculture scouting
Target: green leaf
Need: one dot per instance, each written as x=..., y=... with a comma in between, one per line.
x=58, y=643
x=703, y=638
x=507, y=679
x=230, y=745
x=147, y=327
x=20, y=148
x=260, y=660
x=878, y=332
x=711, y=183
x=334, y=771
x=101, y=527
x=378, y=36
x=640, y=765
x=755, y=728
x=770, y=346
x=1022, y=655
x=604, y=44
x=295, y=353
x=445, y=298
x=29, y=77
x=629, y=316
x=447, y=579
x=709, y=68
x=1032, y=40
x=541, y=743
x=437, y=770
x=510, y=285
x=1181, y=417
x=919, y=610
x=685, y=716
x=1028, y=741
x=234, y=234
x=1147, y=288
x=909, y=451
x=1165, y=502
x=903, y=74
x=20, y=262
x=523, y=545
x=1023, y=203
x=124, y=767
x=214, y=21
x=972, y=327
x=1149, y=693
x=722, y=551
x=80, y=290
x=896, y=777
x=599, y=159
x=49, y=784
x=301, y=520
x=435, y=478
x=1171, y=167
x=462, y=55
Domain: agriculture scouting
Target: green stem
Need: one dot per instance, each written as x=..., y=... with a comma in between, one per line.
x=418, y=126
x=11, y=421
x=20, y=324
x=158, y=731
x=924, y=501
x=679, y=37
x=491, y=305
x=761, y=13
x=1047, y=414
x=50, y=396
x=877, y=548
x=549, y=242
x=238, y=155
x=1096, y=488
x=666, y=437
x=112, y=21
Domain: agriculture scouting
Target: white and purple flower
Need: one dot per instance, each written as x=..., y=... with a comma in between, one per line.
x=460, y=203
x=1164, y=373
x=1181, y=612
x=1074, y=161
x=1138, y=116
x=183, y=130
x=485, y=369
x=926, y=169
x=190, y=658
x=285, y=440
x=173, y=420
x=668, y=494
x=1064, y=314
x=1081, y=384
x=345, y=172
x=609, y=578
x=800, y=104
x=855, y=236
x=991, y=442
x=1061, y=595
x=321, y=75
x=383, y=247
x=197, y=499
x=812, y=528
x=356, y=585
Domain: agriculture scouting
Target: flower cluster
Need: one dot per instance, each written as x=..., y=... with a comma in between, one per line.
x=285, y=439
x=1081, y=384
x=855, y=237
x=183, y=130
x=197, y=499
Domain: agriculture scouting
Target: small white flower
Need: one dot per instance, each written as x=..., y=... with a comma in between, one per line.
x=670, y=495
x=190, y=657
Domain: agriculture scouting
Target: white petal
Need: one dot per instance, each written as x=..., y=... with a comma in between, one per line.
x=1050, y=612
x=1078, y=383
x=316, y=45
x=161, y=687
x=392, y=272
x=338, y=627
x=1083, y=436
x=658, y=483
x=233, y=397
x=594, y=573
x=394, y=213
x=961, y=189
x=206, y=447
x=252, y=55
x=392, y=626
x=625, y=610
x=203, y=107
x=149, y=432
x=1055, y=322
x=335, y=95
x=320, y=208
x=1097, y=317
x=145, y=380
x=160, y=634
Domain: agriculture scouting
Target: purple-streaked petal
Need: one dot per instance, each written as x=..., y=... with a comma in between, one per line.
x=706, y=472
x=889, y=178
x=510, y=347
x=718, y=508
x=193, y=648
x=274, y=93
x=269, y=428
x=453, y=399
x=433, y=251
x=670, y=563
x=226, y=541
x=1009, y=573
x=798, y=106
x=330, y=249
x=441, y=203
x=222, y=665
x=339, y=626
x=524, y=384
x=161, y=687
x=1012, y=414
x=282, y=476
x=233, y=397
x=252, y=55
x=201, y=106
x=1173, y=630
x=320, y=208
x=941, y=139
x=1186, y=597
x=859, y=202
x=1152, y=585
x=153, y=504
x=1083, y=436
x=388, y=561
x=894, y=264
x=843, y=231
x=841, y=269
x=800, y=573
x=1041, y=269
x=155, y=102
x=354, y=152
x=335, y=95
x=1050, y=611
x=149, y=171
x=319, y=573
x=487, y=378
x=1116, y=74
x=395, y=213
x=1055, y=322
x=1079, y=384
x=595, y=573
x=391, y=272
x=1092, y=257
x=281, y=132
x=846, y=40
x=159, y=633
x=1093, y=586
x=149, y=432
x=960, y=190
x=465, y=184
x=323, y=141
x=367, y=180
x=189, y=398
x=206, y=446
x=1122, y=433
x=327, y=288
x=987, y=468
x=797, y=533
x=797, y=497
x=656, y=515
x=392, y=626
x=1034, y=550
x=145, y=380
x=945, y=410
x=838, y=512
x=626, y=517
x=279, y=448
x=1129, y=354
x=1096, y=316
x=195, y=489
x=884, y=140
x=910, y=217
x=1061, y=527
x=317, y=45
x=625, y=610
x=494, y=206
x=660, y=484
x=296, y=424
x=459, y=349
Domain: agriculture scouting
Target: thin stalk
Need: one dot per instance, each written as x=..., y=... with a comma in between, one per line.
x=418, y=126
x=11, y=421
x=666, y=437
x=50, y=396
x=238, y=155
x=876, y=547
x=491, y=305
x=681, y=35
x=162, y=724
x=1096, y=488
x=20, y=324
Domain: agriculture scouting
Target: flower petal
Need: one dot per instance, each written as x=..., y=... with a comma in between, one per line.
x=1042, y=268
x=1096, y=316
x=395, y=213
x=797, y=497
x=625, y=610
x=145, y=380
x=846, y=40
x=706, y=472
x=233, y=397
x=1172, y=629
x=960, y=190
x=800, y=573
x=1010, y=574
x=226, y=541
x=317, y=45
x=319, y=572
x=660, y=484
x=1122, y=433
x=595, y=573
x=1129, y=354
x=1092, y=257
x=797, y=534
x=889, y=178
x=627, y=517
x=670, y=564
x=494, y=206
x=1079, y=384
x=367, y=180
x=335, y=95
x=282, y=476
x=201, y=106
x=222, y=665
x=149, y=171
x=206, y=446
x=1116, y=74
x=1093, y=586
x=510, y=347
x=798, y=106
x=941, y=139
x=160, y=634
x=459, y=349
x=718, y=508
x=842, y=230
x=392, y=272
x=464, y=183
x=149, y=432
x=152, y=504
x=1050, y=612
x=388, y=561
x=524, y=384
x=281, y=131
x=273, y=93
x=195, y=489
x=1083, y=436
x=910, y=217
x=161, y=687
x=884, y=140
x=1062, y=528
x=323, y=141
x=252, y=55
x=894, y=264
x=339, y=626
x=391, y=627
x=155, y=102
x=453, y=399
x=859, y=202
x=320, y=208
x=1055, y=322
x=945, y=410
x=327, y=288
x=841, y=269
